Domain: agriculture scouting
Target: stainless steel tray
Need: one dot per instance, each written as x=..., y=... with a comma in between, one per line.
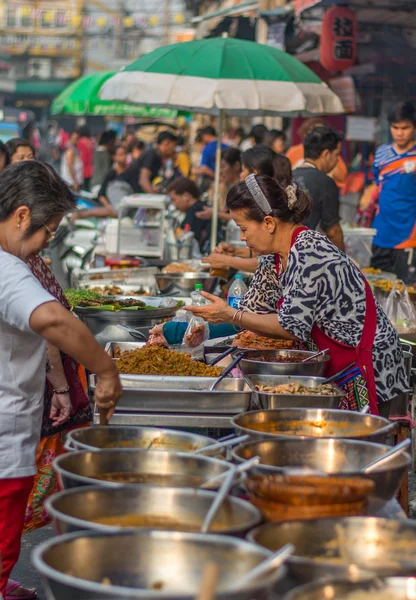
x=115, y=274
x=267, y=400
x=160, y=307
x=151, y=393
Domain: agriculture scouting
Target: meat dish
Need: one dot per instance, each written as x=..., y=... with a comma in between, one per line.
x=248, y=339
x=293, y=358
x=155, y=360
x=297, y=389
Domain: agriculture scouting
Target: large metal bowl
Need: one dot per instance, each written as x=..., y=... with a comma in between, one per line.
x=313, y=423
x=137, y=563
x=396, y=588
x=386, y=547
x=175, y=469
x=336, y=457
x=177, y=509
x=182, y=284
x=267, y=400
x=250, y=365
x=120, y=437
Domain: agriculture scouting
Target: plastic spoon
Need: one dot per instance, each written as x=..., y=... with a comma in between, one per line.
x=315, y=355
x=219, y=499
x=386, y=457
x=272, y=562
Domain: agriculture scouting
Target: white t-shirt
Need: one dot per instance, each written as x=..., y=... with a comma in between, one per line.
x=22, y=368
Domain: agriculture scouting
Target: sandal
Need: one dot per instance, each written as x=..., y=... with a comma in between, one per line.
x=12, y=586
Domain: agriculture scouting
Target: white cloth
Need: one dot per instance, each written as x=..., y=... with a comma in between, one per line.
x=22, y=368
x=78, y=168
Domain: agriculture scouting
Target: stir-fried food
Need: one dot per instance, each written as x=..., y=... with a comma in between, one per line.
x=297, y=388
x=386, y=285
x=248, y=339
x=154, y=360
x=107, y=290
x=277, y=358
x=91, y=299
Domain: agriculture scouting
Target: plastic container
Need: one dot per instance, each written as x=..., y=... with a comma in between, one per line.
x=181, y=316
x=237, y=291
x=196, y=296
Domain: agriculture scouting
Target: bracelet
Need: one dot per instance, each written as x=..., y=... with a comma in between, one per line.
x=63, y=392
x=234, y=315
x=241, y=318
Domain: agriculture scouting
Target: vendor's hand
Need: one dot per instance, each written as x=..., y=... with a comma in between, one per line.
x=108, y=391
x=224, y=248
x=205, y=215
x=76, y=215
x=157, y=339
x=60, y=409
x=216, y=261
x=216, y=312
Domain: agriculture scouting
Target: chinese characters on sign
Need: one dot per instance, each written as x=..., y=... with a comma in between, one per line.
x=338, y=39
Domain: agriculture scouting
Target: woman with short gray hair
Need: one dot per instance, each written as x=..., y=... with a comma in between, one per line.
x=33, y=200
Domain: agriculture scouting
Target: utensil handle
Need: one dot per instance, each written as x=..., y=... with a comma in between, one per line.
x=232, y=442
x=273, y=562
x=103, y=416
x=68, y=445
x=228, y=370
x=221, y=356
x=388, y=456
x=315, y=355
x=208, y=582
x=219, y=499
x=329, y=379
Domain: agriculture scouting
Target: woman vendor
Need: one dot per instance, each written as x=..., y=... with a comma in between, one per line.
x=314, y=291
x=33, y=200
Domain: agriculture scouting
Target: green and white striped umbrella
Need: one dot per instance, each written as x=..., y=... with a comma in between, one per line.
x=223, y=74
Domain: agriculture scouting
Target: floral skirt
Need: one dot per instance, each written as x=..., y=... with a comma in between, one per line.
x=45, y=483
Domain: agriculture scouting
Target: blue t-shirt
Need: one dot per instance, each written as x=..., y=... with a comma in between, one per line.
x=208, y=155
x=396, y=175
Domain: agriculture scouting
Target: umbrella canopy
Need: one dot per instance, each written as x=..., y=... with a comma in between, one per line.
x=223, y=74
x=81, y=98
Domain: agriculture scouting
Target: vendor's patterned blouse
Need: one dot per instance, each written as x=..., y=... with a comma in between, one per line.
x=322, y=286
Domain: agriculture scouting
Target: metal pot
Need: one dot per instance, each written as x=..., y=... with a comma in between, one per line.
x=173, y=469
x=267, y=400
x=337, y=457
x=147, y=565
x=250, y=365
x=386, y=547
x=182, y=284
x=397, y=588
x=119, y=437
x=177, y=509
x=313, y=423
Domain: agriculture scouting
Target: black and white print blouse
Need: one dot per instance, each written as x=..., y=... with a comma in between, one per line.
x=322, y=286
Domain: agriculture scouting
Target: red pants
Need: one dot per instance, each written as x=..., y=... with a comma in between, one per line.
x=14, y=494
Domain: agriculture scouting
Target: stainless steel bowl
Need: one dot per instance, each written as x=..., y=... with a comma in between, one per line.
x=395, y=588
x=177, y=509
x=313, y=423
x=182, y=284
x=386, y=547
x=267, y=400
x=250, y=365
x=336, y=457
x=120, y=437
x=147, y=565
x=174, y=469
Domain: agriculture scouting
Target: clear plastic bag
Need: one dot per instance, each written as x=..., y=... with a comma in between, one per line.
x=196, y=333
x=400, y=309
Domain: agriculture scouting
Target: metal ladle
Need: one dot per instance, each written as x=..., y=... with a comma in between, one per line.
x=386, y=457
x=219, y=499
x=224, y=444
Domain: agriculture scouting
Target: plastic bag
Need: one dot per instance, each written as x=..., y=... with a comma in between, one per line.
x=400, y=309
x=196, y=333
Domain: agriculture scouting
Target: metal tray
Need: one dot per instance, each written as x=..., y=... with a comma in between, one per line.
x=151, y=393
x=115, y=274
x=250, y=365
x=161, y=307
x=128, y=346
x=265, y=400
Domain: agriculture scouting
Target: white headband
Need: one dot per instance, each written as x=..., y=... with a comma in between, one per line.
x=257, y=194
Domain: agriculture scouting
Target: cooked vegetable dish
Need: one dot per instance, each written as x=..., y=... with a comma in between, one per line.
x=248, y=339
x=297, y=388
x=155, y=360
x=92, y=299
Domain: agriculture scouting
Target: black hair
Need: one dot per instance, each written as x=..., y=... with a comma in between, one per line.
x=282, y=170
x=320, y=139
x=139, y=144
x=166, y=135
x=15, y=143
x=259, y=159
x=107, y=137
x=117, y=147
x=39, y=187
x=84, y=131
x=258, y=133
x=5, y=152
x=275, y=134
x=208, y=130
x=231, y=156
x=405, y=111
x=240, y=198
x=184, y=185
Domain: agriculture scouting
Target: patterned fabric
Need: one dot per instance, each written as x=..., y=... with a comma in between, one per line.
x=46, y=482
x=81, y=410
x=322, y=286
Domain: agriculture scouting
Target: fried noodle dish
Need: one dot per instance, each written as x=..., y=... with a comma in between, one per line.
x=248, y=339
x=154, y=360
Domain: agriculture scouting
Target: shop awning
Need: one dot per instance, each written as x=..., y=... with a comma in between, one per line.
x=39, y=87
x=235, y=9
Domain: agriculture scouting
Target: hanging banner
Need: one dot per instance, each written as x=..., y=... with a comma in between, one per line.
x=338, y=39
